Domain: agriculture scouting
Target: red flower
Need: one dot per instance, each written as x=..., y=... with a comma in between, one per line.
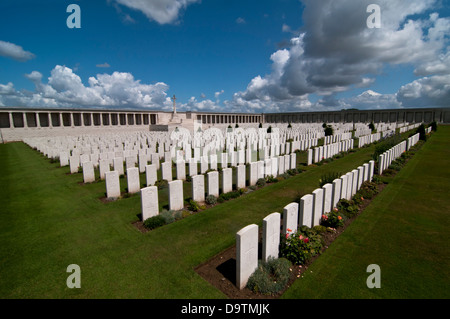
x=339, y=217
x=289, y=230
x=287, y=235
x=306, y=240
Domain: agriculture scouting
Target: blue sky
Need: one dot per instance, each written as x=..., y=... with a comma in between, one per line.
x=225, y=55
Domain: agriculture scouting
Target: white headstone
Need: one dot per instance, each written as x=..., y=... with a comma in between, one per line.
x=290, y=218
x=271, y=236
x=166, y=171
x=327, y=197
x=227, y=180
x=112, y=184
x=240, y=176
x=344, y=186
x=246, y=254
x=213, y=183
x=133, y=180
x=349, y=186
x=306, y=210
x=74, y=162
x=193, y=169
x=198, y=188
x=317, y=206
x=149, y=202
x=336, y=192
x=88, y=172
x=103, y=168
x=151, y=174
x=355, y=182
x=181, y=170
x=371, y=170
x=253, y=173
x=118, y=165
x=176, y=199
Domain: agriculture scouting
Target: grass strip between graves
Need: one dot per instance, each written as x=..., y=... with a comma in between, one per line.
x=49, y=220
x=404, y=231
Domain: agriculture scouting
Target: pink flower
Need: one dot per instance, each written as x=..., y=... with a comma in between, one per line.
x=306, y=240
x=335, y=209
x=300, y=237
x=287, y=235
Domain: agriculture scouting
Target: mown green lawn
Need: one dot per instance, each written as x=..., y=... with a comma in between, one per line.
x=404, y=231
x=49, y=220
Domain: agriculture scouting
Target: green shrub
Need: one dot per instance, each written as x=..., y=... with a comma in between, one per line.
x=270, y=277
x=395, y=166
x=422, y=133
x=154, y=222
x=229, y=195
x=271, y=179
x=329, y=178
x=285, y=176
x=328, y=131
x=193, y=206
x=300, y=246
x=242, y=191
x=348, y=207
x=389, y=172
x=261, y=182
x=292, y=172
x=333, y=219
x=211, y=200
x=433, y=126
x=170, y=216
x=368, y=190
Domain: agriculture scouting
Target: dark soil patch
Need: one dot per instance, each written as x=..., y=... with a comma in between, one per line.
x=139, y=225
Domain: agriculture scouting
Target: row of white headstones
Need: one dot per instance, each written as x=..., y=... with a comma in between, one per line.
x=308, y=213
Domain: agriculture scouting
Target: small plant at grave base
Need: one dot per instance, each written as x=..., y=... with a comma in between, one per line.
x=368, y=190
x=333, y=219
x=395, y=166
x=261, y=182
x=377, y=179
x=348, y=208
x=193, y=206
x=170, y=216
x=389, y=172
x=242, y=190
x=300, y=246
x=270, y=277
x=292, y=172
x=252, y=187
x=211, y=200
x=154, y=222
x=271, y=179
